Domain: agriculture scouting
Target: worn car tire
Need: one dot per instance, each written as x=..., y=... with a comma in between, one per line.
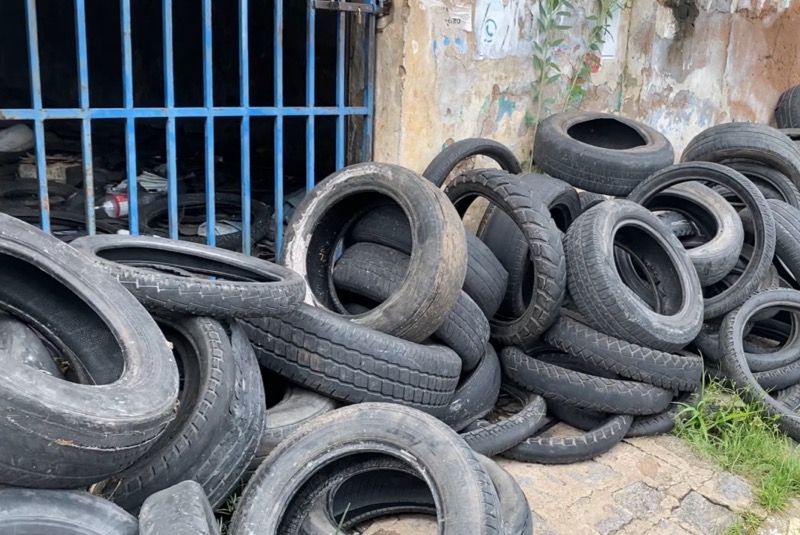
x=438, y=258
x=486, y=279
x=232, y=284
x=589, y=199
x=221, y=469
x=787, y=237
x=58, y=434
x=182, y=509
x=382, y=486
x=544, y=244
x=787, y=112
x=323, y=352
x=719, y=223
x=659, y=368
x=602, y=298
x=463, y=489
x=509, y=245
x=204, y=355
x=20, y=342
x=580, y=389
x=761, y=359
x=446, y=161
x=753, y=199
x=491, y=438
x=734, y=363
x=599, y=152
x=294, y=409
x=769, y=180
x=260, y=217
x=642, y=426
x=375, y=272
x=756, y=142
x=66, y=226
x=62, y=512
x=572, y=449
x=476, y=394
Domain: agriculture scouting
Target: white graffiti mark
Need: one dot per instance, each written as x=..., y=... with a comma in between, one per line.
x=503, y=28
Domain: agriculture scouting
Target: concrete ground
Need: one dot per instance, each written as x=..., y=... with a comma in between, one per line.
x=644, y=486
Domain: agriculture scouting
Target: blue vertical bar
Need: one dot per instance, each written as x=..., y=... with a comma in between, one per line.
x=341, y=35
x=244, y=102
x=86, y=126
x=38, y=126
x=208, y=92
x=369, y=90
x=278, y=87
x=130, y=124
x=311, y=30
x=169, y=101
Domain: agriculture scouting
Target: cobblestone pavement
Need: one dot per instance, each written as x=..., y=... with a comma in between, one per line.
x=644, y=486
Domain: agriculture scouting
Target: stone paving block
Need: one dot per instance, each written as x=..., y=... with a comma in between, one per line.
x=787, y=523
x=679, y=491
x=728, y=490
x=540, y=527
x=636, y=527
x=643, y=501
x=637, y=465
x=673, y=450
x=702, y=517
x=542, y=487
x=683, y=465
x=600, y=512
x=665, y=527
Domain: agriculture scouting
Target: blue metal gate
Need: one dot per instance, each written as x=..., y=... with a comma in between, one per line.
x=362, y=13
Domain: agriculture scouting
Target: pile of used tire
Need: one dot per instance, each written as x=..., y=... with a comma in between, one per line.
x=133, y=401
x=155, y=378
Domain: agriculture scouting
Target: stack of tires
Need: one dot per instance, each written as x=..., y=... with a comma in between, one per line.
x=162, y=376
x=159, y=409
x=723, y=240
x=394, y=322
x=104, y=394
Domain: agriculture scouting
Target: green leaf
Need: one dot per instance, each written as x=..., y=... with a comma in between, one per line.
x=537, y=63
x=541, y=26
x=594, y=47
x=549, y=101
x=563, y=27
x=567, y=4
x=557, y=43
x=537, y=47
x=562, y=14
x=553, y=79
x=591, y=17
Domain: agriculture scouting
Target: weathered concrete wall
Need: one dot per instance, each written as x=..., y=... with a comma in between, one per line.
x=699, y=65
x=450, y=69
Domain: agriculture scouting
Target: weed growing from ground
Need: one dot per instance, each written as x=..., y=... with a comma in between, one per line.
x=743, y=439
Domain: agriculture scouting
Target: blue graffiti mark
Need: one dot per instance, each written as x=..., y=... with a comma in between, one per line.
x=435, y=48
x=505, y=108
x=446, y=41
x=461, y=45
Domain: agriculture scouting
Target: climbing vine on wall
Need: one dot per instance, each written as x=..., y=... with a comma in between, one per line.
x=556, y=89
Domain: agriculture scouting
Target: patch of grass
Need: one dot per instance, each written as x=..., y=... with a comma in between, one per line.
x=225, y=512
x=747, y=523
x=743, y=439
